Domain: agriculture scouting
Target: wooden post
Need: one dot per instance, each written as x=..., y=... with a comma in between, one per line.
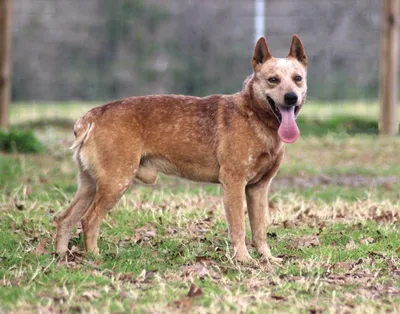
x=5, y=61
x=388, y=124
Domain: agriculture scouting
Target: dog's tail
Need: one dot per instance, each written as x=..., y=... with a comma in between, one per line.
x=81, y=138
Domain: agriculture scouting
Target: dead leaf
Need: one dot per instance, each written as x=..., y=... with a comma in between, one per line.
x=362, y=278
x=44, y=179
x=307, y=241
x=72, y=257
x=374, y=255
x=351, y=245
x=315, y=310
x=194, y=291
x=368, y=240
x=218, y=250
x=291, y=278
x=357, y=226
x=144, y=276
x=195, y=270
x=141, y=276
x=388, y=186
x=198, y=270
x=170, y=230
x=125, y=277
x=91, y=295
x=287, y=224
x=271, y=206
x=145, y=233
x=343, y=265
x=27, y=189
x=184, y=303
x=278, y=297
x=202, y=259
x=359, y=261
x=393, y=268
x=19, y=206
x=321, y=227
x=41, y=247
x=199, y=227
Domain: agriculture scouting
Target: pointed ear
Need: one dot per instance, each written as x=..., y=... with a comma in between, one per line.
x=297, y=50
x=261, y=53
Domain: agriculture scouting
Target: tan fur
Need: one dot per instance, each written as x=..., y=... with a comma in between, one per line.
x=226, y=139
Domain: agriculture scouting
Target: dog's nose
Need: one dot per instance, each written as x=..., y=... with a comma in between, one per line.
x=290, y=98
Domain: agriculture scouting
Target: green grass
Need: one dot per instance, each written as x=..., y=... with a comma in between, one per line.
x=19, y=141
x=115, y=281
x=21, y=112
x=336, y=230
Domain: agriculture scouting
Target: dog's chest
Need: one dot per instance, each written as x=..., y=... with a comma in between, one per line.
x=259, y=165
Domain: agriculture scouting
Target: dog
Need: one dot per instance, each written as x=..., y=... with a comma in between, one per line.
x=235, y=140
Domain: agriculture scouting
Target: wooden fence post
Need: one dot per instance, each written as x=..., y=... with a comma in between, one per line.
x=388, y=124
x=5, y=61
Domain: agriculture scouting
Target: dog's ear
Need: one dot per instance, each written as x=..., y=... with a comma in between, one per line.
x=297, y=50
x=261, y=53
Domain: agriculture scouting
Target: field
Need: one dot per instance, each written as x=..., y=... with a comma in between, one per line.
x=334, y=220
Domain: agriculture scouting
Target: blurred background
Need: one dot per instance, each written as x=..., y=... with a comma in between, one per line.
x=96, y=50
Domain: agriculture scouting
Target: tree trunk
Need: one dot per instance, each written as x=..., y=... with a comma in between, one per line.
x=388, y=67
x=5, y=61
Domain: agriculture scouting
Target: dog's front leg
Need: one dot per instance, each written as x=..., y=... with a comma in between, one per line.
x=257, y=206
x=234, y=201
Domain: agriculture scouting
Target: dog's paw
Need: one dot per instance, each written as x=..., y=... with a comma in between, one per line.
x=265, y=252
x=274, y=260
x=242, y=255
x=94, y=251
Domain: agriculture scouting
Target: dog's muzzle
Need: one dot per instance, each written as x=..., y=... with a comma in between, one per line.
x=275, y=109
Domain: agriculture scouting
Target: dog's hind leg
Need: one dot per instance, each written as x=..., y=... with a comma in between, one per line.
x=112, y=180
x=67, y=219
x=108, y=192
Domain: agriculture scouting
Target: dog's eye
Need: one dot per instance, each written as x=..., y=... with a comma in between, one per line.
x=298, y=78
x=273, y=80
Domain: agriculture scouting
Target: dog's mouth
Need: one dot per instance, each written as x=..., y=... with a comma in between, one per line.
x=288, y=130
x=275, y=109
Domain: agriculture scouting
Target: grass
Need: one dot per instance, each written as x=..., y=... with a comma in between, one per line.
x=333, y=220
x=19, y=141
x=312, y=109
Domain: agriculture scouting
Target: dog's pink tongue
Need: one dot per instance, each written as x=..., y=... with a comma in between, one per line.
x=288, y=130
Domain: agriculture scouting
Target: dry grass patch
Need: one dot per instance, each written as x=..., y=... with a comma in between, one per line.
x=171, y=254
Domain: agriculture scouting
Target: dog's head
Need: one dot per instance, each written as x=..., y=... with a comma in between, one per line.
x=280, y=85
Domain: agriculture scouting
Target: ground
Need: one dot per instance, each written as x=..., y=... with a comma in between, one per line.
x=334, y=220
